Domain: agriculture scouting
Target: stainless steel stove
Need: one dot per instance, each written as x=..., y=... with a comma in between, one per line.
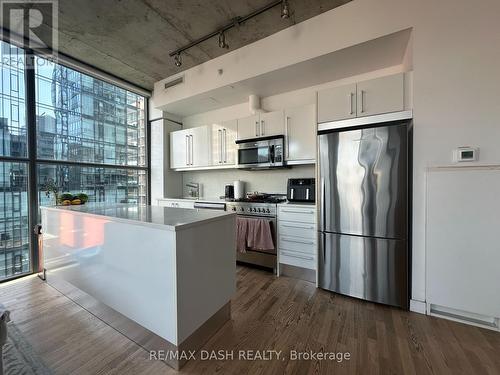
x=265, y=207
x=253, y=208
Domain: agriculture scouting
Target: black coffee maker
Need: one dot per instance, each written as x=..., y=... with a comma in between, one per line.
x=229, y=191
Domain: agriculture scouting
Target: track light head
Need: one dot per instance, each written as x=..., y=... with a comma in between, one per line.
x=285, y=9
x=222, y=40
x=178, y=60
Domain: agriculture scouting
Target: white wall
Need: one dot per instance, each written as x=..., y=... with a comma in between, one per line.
x=456, y=62
x=267, y=181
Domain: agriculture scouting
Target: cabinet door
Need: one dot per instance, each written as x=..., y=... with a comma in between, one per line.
x=337, y=103
x=217, y=144
x=272, y=123
x=381, y=95
x=200, y=146
x=229, y=131
x=179, y=149
x=300, y=133
x=249, y=127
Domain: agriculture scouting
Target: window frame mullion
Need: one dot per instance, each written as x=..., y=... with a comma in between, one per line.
x=30, y=87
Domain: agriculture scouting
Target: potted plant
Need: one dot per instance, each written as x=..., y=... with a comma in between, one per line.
x=50, y=188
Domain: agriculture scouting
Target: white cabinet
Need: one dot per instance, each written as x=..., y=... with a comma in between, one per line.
x=249, y=127
x=367, y=98
x=261, y=125
x=297, y=235
x=189, y=148
x=337, y=103
x=179, y=144
x=223, y=146
x=272, y=123
x=176, y=203
x=199, y=146
x=300, y=134
x=381, y=95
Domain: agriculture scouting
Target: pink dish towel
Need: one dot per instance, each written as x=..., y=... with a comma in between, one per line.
x=254, y=234
x=260, y=235
x=241, y=234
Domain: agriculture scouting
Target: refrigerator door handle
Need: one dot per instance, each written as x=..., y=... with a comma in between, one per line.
x=322, y=205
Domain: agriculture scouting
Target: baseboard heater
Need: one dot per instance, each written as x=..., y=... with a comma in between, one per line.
x=464, y=317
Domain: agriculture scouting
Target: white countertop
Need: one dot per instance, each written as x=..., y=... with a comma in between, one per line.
x=166, y=218
x=201, y=199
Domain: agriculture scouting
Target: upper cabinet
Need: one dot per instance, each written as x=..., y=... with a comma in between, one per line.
x=367, y=98
x=300, y=134
x=337, y=103
x=381, y=95
x=261, y=125
x=189, y=148
x=223, y=145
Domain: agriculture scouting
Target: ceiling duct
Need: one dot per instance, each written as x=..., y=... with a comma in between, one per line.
x=254, y=104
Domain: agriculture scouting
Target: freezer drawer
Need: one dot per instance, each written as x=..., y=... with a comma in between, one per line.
x=369, y=268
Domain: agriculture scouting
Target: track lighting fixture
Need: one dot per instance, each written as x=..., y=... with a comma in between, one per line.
x=178, y=59
x=235, y=22
x=285, y=9
x=222, y=40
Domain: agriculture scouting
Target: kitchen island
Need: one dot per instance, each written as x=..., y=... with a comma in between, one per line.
x=161, y=276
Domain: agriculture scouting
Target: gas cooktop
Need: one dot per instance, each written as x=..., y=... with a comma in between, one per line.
x=261, y=198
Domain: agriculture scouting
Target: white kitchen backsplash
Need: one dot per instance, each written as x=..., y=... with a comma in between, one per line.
x=267, y=181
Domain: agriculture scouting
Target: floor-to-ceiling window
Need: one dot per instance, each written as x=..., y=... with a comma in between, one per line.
x=90, y=138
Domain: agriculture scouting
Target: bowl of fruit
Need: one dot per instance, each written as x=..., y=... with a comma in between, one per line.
x=68, y=199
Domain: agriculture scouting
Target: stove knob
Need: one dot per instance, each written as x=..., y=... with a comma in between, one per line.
x=268, y=211
x=242, y=209
x=233, y=208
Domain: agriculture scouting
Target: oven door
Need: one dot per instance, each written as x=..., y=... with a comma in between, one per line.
x=274, y=233
x=255, y=154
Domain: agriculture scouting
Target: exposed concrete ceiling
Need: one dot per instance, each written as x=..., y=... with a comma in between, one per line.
x=132, y=39
x=385, y=52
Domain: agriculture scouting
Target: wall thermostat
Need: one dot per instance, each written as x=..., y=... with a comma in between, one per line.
x=462, y=154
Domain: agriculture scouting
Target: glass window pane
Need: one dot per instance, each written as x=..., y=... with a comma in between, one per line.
x=86, y=120
x=111, y=185
x=14, y=232
x=13, y=137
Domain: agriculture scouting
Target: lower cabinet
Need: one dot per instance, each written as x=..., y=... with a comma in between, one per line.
x=297, y=236
x=176, y=203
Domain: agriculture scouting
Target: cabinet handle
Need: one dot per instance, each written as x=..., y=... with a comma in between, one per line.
x=187, y=149
x=363, y=101
x=287, y=131
x=298, y=212
x=220, y=146
x=296, y=226
x=352, y=102
x=192, y=149
x=297, y=241
x=296, y=255
x=225, y=145
x=262, y=128
x=256, y=128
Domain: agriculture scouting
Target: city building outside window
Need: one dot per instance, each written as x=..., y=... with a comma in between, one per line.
x=90, y=138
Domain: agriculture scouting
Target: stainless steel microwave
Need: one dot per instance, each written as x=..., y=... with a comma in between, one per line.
x=266, y=152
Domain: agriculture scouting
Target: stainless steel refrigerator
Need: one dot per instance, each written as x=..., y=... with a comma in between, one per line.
x=364, y=212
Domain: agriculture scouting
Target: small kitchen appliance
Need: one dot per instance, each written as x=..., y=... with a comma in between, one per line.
x=229, y=191
x=301, y=190
x=239, y=189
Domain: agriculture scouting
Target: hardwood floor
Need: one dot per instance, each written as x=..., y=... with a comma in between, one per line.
x=268, y=313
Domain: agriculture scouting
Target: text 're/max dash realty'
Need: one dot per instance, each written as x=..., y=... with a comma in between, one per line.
x=248, y=355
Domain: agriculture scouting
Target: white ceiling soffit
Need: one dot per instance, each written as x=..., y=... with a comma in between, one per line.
x=373, y=55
